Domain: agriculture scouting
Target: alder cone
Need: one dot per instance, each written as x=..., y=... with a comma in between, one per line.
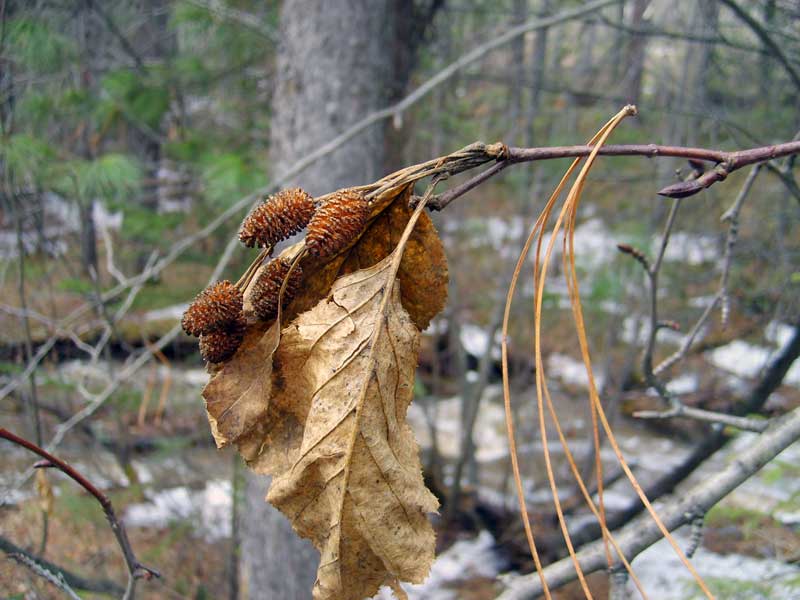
x=279, y=217
x=220, y=345
x=213, y=309
x=337, y=223
x=265, y=291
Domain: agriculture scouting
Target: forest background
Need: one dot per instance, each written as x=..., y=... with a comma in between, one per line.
x=135, y=136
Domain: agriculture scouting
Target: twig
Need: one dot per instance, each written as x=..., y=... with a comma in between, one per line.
x=101, y=586
x=652, y=275
x=639, y=535
x=136, y=570
x=240, y=17
x=772, y=378
x=732, y=215
x=440, y=201
x=112, y=27
x=57, y=579
x=681, y=410
x=766, y=39
x=696, y=536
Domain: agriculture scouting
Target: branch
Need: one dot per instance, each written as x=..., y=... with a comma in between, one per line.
x=57, y=579
x=765, y=38
x=100, y=586
x=716, y=440
x=638, y=536
x=233, y=15
x=731, y=215
x=123, y=41
x=708, y=416
x=136, y=570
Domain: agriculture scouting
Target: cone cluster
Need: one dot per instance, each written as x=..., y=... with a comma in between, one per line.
x=265, y=290
x=279, y=217
x=337, y=223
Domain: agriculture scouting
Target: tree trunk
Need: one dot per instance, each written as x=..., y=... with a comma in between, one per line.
x=333, y=68
x=632, y=86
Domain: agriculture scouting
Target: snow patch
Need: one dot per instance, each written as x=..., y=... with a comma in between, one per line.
x=464, y=560
x=209, y=509
x=661, y=572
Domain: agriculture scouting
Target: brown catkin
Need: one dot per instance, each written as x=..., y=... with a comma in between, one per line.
x=213, y=309
x=264, y=294
x=336, y=223
x=279, y=217
x=222, y=344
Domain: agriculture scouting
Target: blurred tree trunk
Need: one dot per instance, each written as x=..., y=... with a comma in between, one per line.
x=636, y=54
x=334, y=67
x=767, y=63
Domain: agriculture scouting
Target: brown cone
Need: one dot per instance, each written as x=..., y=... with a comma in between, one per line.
x=213, y=309
x=337, y=223
x=279, y=217
x=221, y=345
x=264, y=294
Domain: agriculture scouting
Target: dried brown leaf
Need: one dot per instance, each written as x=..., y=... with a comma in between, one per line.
x=237, y=395
x=353, y=482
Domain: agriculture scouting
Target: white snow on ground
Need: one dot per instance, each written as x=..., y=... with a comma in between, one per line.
x=730, y=576
x=747, y=360
x=464, y=560
x=489, y=433
x=476, y=342
x=778, y=333
x=174, y=313
x=208, y=509
x=688, y=248
x=570, y=371
x=687, y=383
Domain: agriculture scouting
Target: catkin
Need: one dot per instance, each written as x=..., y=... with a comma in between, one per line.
x=336, y=223
x=279, y=217
x=265, y=290
x=213, y=309
x=220, y=345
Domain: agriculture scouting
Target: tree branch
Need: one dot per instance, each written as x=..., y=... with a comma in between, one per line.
x=638, y=536
x=136, y=570
x=765, y=38
x=100, y=586
x=708, y=416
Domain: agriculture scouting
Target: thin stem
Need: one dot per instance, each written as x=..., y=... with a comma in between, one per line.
x=707, y=416
x=136, y=570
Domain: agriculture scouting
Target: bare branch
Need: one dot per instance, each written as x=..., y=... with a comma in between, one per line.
x=765, y=38
x=57, y=579
x=136, y=570
x=101, y=586
x=731, y=215
x=240, y=17
x=707, y=416
x=640, y=535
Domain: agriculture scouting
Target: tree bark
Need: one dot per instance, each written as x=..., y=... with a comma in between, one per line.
x=636, y=54
x=334, y=67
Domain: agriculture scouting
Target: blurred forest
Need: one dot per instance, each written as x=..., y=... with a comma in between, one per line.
x=135, y=136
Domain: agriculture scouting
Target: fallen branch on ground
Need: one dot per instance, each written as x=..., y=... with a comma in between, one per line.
x=641, y=534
